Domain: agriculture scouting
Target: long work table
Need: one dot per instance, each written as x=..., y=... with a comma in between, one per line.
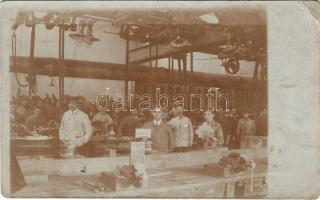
x=170, y=175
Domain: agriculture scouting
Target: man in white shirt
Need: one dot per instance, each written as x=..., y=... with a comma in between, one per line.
x=75, y=129
x=183, y=131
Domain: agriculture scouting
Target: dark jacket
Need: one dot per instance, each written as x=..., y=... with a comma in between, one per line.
x=128, y=125
x=34, y=122
x=161, y=136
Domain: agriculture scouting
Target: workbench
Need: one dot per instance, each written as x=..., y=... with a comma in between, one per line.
x=50, y=147
x=183, y=175
x=22, y=147
x=175, y=182
x=99, y=146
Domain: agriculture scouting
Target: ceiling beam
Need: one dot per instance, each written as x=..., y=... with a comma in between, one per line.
x=140, y=55
x=112, y=71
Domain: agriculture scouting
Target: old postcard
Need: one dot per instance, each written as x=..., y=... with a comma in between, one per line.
x=159, y=99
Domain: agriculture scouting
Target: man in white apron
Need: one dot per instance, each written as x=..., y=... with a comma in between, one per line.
x=75, y=129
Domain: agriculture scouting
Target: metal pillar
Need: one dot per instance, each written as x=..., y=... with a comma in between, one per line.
x=256, y=70
x=157, y=56
x=184, y=61
x=150, y=54
x=150, y=85
x=191, y=68
x=180, y=72
x=126, y=86
x=169, y=75
x=172, y=70
x=156, y=69
x=32, y=77
x=169, y=68
x=191, y=76
x=61, y=69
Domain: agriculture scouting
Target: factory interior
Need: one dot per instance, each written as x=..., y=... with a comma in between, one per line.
x=95, y=109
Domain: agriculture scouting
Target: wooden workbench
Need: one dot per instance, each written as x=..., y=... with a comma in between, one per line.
x=22, y=147
x=186, y=178
x=176, y=182
x=74, y=166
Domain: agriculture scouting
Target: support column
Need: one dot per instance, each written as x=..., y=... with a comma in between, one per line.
x=191, y=75
x=127, y=71
x=32, y=77
x=191, y=69
x=172, y=70
x=61, y=69
x=256, y=70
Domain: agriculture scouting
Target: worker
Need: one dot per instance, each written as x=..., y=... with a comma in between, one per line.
x=161, y=133
x=35, y=122
x=128, y=125
x=221, y=118
x=106, y=121
x=92, y=111
x=183, y=130
x=245, y=127
x=232, y=128
x=214, y=135
x=75, y=129
x=263, y=123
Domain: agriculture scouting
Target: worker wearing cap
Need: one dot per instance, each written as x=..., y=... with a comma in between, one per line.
x=161, y=133
x=75, y=129
x=245, y=127
x=183, y=130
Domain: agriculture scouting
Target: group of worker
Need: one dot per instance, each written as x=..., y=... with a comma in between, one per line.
x=167, y=135
x=175, y=133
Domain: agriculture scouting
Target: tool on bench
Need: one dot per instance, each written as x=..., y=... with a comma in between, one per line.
x=159, y=174
x=95, y=187
x=82, y=184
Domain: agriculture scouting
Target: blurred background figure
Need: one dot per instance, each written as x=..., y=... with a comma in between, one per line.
x=245, y=127
x=35, y=122
x=232, y=120
x=92, y=111
x=262, y=123
x=128, y=125
x=104, y=122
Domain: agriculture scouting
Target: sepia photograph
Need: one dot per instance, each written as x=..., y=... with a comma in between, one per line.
x=147, y=100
